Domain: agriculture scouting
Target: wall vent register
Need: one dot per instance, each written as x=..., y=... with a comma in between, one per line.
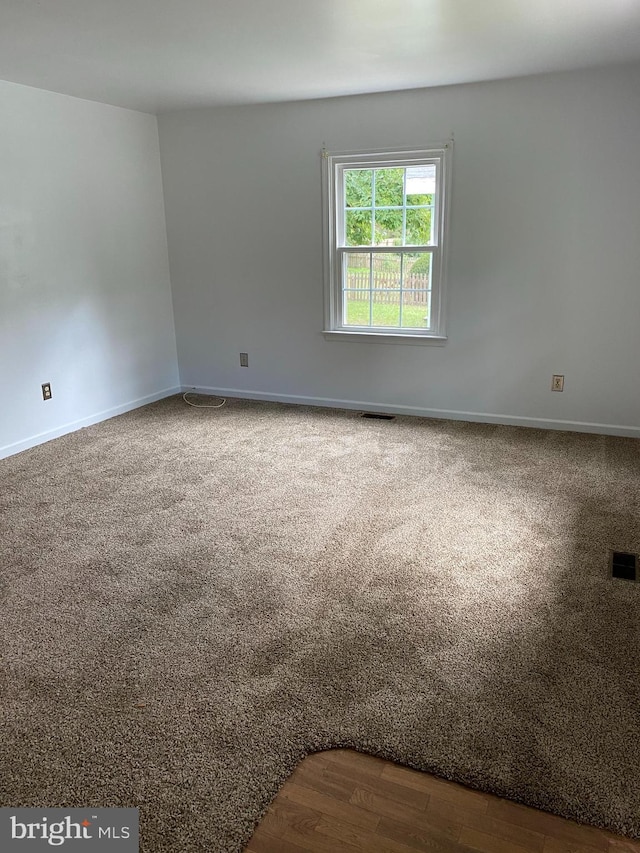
x=624, y=566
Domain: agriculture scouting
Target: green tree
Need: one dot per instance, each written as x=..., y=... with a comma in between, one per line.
x=382, y=216
x=358, y=184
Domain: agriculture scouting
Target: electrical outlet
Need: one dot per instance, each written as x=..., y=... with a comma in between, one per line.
x=46, y=391
x=557, y=382
x=244, y=359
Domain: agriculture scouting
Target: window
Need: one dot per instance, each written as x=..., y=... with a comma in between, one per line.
x=385, y=232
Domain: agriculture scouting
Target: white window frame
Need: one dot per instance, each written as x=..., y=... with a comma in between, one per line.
x=333, y=167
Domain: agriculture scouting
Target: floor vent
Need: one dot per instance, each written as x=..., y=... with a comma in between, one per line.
x=377, y=417
x=624, y=566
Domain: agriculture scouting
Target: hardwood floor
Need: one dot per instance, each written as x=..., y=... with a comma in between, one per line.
x=343, y=802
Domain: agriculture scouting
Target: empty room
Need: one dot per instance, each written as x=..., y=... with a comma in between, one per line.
x=320, y=421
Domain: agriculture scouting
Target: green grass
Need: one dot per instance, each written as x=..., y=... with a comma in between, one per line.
x=413, y=316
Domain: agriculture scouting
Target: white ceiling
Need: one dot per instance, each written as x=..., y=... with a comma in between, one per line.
x=156, y=55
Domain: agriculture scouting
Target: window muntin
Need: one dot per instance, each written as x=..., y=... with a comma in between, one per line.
x=386, y=223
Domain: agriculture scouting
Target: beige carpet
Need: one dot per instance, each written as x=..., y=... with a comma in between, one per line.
x=194, y=599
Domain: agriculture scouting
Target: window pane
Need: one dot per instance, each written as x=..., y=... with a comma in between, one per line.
x=357, y=307
x=418, y=226
x=421, y=184
x=357, y=187
x=357, y=228
x=357, y=267
x=421, y=200
x=388, y=227
x=386, y=283
x=415, y=309
x=389, y=187
x=386, y=271
x=386, y=308
x=417, y=271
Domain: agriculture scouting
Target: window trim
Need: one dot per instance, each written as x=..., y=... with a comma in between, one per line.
x=333, y=166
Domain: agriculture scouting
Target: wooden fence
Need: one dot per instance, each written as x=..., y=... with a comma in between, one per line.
x=385, y=288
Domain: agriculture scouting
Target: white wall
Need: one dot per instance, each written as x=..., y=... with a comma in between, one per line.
x=85, y=300
x=544, y=263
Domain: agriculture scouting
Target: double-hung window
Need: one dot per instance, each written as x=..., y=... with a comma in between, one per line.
x=385, y=239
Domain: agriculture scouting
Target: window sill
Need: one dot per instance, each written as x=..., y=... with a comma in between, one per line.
x=384, y=338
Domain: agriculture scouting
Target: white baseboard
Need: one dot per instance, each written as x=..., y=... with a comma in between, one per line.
x=327, y=402
x=72, y=426
x=446, y=414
